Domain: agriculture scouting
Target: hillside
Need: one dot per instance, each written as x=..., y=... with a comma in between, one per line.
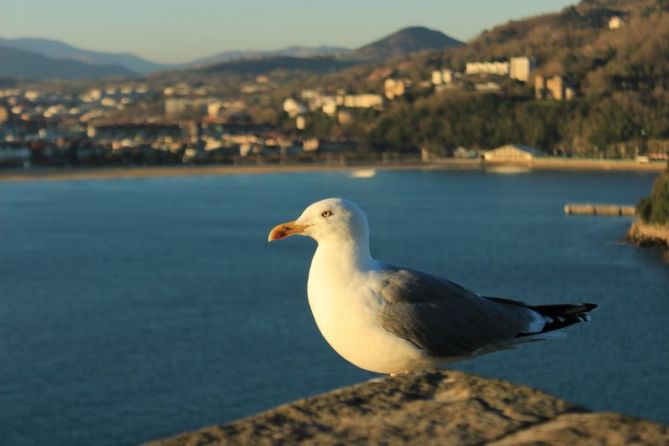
x=60, y=50
x=578, y=43
x=620, y=78
x=25, y=64
x=405, y=41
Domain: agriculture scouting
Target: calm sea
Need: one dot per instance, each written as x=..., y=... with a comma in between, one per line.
x=133, y=309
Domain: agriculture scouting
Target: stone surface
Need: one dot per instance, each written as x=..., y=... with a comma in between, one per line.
x=596, y=429
x=429, y=408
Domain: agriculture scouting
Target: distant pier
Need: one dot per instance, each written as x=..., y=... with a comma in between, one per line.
x=609, y=210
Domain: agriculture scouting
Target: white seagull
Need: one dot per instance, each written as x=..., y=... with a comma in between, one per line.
x=389, y=319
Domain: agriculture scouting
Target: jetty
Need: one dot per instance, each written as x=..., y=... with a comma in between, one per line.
x=609, y=210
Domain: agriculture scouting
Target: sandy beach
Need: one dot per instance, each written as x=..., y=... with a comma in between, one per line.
x=86, y=173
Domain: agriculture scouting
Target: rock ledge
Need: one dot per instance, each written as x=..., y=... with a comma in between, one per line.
x=430, y=408
x=645, y=234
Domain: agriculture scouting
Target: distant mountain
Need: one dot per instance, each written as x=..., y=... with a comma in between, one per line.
x=319, y=59
x=327, y=58
x=61, y=50
x=268, y=64
x=405, y=41
x=292, y=51
x=15, y=62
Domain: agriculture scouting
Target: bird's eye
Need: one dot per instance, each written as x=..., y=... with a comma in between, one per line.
x=326, y=214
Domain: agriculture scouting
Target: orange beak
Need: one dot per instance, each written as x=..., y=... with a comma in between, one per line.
x=284, y=230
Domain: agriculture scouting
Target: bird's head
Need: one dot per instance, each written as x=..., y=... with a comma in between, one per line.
x=333, y=220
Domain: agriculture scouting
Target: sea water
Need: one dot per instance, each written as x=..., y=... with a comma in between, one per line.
x=134, y=309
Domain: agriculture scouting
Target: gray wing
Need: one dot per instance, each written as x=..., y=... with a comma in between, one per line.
x=443, y=318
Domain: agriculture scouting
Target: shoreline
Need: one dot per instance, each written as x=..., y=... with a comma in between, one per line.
x=93, y=173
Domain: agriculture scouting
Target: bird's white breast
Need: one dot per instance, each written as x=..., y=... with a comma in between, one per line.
x=347, y=312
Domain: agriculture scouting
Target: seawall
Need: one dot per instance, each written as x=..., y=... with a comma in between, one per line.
x=430, y=408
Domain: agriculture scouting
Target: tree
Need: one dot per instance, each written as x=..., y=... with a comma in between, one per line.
x=655, y=209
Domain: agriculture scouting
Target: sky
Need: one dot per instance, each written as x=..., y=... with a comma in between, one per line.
x=171, y=31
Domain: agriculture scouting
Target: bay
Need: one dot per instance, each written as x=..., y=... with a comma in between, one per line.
x=133, y=309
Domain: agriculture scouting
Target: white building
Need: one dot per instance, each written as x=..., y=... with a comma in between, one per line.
x=329, y=105
x=437, y=77
x=214, y=109
x=294, y=107
x=311, y=145
x=444, y=76
x=616, y=22
x=512, y=153
x=394, y=88
x=367, y=100
x=497, y=68
x=520, y=68
x=448, y=76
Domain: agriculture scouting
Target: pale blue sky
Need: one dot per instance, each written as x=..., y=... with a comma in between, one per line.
x=177, y=31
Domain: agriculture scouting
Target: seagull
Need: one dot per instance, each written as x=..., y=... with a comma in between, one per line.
x=389, y=319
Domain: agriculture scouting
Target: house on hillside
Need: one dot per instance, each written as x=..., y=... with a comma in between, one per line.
x=556, y=88
x=511, y=153
x=520, y=68
x=444, y=76
x=497, y=68
x=616, y=22
x=394, y=88
x=368, y=100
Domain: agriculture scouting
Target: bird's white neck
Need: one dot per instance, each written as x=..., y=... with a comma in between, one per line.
x=346, y=254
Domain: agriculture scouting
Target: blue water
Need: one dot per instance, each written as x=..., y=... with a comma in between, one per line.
x=133, y=309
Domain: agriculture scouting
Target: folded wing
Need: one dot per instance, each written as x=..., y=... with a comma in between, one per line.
x=445, y=319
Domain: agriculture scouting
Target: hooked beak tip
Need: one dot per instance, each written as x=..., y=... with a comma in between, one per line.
x=284, y=230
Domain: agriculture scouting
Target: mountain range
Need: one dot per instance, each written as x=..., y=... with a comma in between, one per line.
x=15, y=62
x=291, y=51
x=36, y=58
x=61, y=50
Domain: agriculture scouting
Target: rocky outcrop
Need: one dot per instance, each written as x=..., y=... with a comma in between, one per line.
x=430, y=408
x=645, y=234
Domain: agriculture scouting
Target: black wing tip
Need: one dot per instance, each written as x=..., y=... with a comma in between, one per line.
x=589, y=307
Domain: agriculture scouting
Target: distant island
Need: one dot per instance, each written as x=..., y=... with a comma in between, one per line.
x=589, y=82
